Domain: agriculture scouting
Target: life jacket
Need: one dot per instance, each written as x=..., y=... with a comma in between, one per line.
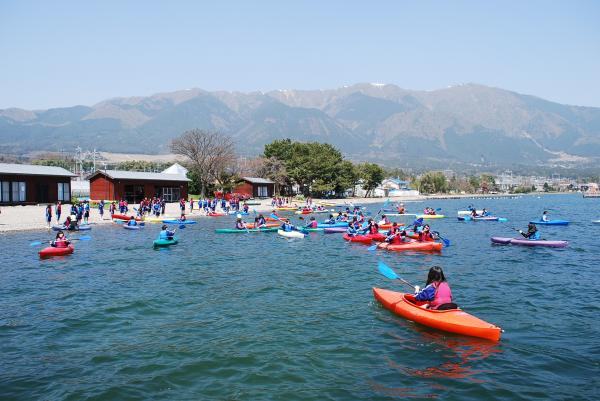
x=60, y=243
x=373, y=229
x=164, y=234
x=313, y=224
x=239, y=225
x=132, y=223
x=443, y=295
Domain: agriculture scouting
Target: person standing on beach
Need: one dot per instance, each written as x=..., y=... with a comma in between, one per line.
x=49, y=214
x=58, y=211
x=86, y=212
x=101, y=209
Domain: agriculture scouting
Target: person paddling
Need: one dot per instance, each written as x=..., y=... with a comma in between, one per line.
x=437, y=291
x=60, y=241
x=312, y=224
x=372, y=227
x=261, y=222
x=165, y=233
x=532, y=232
x=132, y=222
x=384, y=220
x=287, y=226
x=330, y=220
x=545, y=216
x=239, y=223
x=425, y=234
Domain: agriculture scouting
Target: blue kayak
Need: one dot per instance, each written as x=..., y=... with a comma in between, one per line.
x=179, y=221
x=550, y=222
x=338, y=224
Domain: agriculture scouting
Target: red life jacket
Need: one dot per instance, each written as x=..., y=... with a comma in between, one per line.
x=443, y=295
x=60, y=243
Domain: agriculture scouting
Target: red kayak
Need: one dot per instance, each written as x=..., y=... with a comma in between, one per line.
x=364, y=239
x=452, y=320
x=215, y=214
x=124, y=217
x=54, y=251
x=425, y=246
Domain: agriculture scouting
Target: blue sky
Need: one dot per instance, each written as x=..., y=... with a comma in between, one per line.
x=65, y=53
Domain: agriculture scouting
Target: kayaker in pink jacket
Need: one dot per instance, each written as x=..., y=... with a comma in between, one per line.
x=437, y=291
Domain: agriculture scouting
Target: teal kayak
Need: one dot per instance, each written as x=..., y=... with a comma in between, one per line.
x=250, y=230
x=159, y=243
x=550, y=222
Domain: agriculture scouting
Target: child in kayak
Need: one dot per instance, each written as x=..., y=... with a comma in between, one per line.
x=330, y=220
x=384, y=220
x=426, y=234
x=260, y=222
x=165, y=233
x=532, y=232
x=395, y=235
x=239, y=223
x=437, y=291
x=545, y=216
x=312, y=224
x=132, y=222
x=401, y=209
x=372, y=228
x=60, y=241
x=287, y=226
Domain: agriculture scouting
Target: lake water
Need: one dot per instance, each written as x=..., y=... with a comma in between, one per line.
x=258, y=317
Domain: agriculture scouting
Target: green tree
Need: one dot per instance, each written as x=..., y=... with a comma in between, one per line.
x=142, y=165
x=432, y=182
x=372, y=175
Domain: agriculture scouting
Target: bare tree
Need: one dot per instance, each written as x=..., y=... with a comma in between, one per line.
x=275, y=170
x=210, y=154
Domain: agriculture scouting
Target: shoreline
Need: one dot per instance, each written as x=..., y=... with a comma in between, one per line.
x=32, y=217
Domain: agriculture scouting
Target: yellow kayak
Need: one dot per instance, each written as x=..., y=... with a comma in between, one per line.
x=430, y=216
x=284, y=209
x=159, y=219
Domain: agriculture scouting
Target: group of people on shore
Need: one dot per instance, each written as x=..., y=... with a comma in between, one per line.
x=78, y=213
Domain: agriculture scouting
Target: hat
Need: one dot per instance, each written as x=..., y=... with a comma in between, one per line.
x=239, y=216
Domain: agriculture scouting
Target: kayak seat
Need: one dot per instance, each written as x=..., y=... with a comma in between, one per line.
x=448, y=306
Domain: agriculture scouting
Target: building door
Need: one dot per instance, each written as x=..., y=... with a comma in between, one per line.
x=42, y=193
x=134, y=193
x=262, y=191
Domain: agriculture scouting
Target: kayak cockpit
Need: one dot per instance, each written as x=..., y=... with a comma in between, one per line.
x=411, y=300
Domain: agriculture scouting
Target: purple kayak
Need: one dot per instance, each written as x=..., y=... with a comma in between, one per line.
x=529, y=242
x=334, y=230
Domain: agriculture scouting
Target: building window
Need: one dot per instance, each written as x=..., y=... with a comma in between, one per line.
x=18, y=191
x=64, y=191
x=262, y=191
x=170, y=194
x=4, y=191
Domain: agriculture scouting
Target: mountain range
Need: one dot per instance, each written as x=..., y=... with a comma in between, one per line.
x=467, y=123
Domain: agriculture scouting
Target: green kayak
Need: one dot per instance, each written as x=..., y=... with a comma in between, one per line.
x=250, y=230
x=165, y=242
x=312, y=229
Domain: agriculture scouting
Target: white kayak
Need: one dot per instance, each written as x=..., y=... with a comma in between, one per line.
x=466, y=212
x=290, y=234
x=596, y=221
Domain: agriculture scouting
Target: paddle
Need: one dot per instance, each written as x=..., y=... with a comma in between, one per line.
x=83, y=238
x=391, y=274
x=444, y=240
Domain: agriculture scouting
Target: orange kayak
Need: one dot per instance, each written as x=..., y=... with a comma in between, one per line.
x=425, y=246
x=388, y=226
x=453, y=321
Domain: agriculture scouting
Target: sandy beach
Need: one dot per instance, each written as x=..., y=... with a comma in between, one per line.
x=21, y=218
